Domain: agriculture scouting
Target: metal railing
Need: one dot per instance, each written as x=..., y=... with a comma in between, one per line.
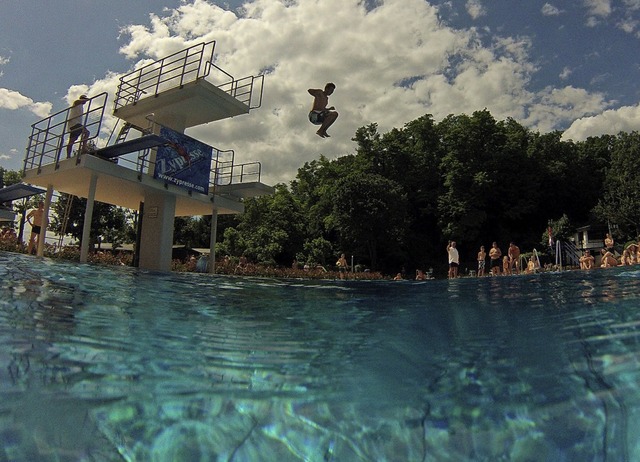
x=180, y=68
x=47, y=139
x=225, y=171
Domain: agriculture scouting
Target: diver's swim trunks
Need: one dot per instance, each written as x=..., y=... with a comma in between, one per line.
x=316, y=117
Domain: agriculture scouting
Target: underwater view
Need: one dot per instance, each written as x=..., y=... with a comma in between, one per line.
x=119, y=364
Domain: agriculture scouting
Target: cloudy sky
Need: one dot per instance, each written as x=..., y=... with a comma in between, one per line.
x=566, y=65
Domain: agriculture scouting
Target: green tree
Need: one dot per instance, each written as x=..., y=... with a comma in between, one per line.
x=620, y=200
x=271, y=230
x=468, y=168
x=371, y=217
x=108, y=221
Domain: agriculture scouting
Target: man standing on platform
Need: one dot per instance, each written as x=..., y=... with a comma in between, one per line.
x=75, y=125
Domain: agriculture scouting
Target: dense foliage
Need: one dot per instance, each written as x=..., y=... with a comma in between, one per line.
x=402, y=195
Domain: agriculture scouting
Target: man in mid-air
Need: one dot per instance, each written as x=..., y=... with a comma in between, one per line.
x=321, y=114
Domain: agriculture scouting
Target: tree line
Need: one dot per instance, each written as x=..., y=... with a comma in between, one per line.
x=396, y=201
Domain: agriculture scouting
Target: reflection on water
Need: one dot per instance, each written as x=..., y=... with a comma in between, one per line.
x=118, y=364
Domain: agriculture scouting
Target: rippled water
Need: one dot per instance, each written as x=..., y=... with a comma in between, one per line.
x=118, y=364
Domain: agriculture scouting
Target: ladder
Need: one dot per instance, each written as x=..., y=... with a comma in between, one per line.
x=124, y=131
x=65, y=220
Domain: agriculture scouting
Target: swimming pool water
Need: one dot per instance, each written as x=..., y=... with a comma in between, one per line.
x=115, y=364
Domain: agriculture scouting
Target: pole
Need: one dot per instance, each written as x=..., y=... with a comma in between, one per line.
x=45, y=221
x=212, y=241
x=88, y=216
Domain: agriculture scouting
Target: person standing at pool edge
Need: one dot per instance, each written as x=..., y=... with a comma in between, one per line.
x=454, y=259
x=482, y=257
x=342, y=265
x=494, y=254
x=34, y=218
x=320, y=114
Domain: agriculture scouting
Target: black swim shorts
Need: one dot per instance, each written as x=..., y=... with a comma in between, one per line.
x=316, y=117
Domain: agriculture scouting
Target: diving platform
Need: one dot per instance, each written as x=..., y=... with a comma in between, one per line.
x=193, y=104
x=184, y=90
x=124, y=187
x=163, y=173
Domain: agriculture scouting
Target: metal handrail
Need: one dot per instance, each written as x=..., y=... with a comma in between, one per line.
x=47, y=138
x=180, y=68
x=169, y=72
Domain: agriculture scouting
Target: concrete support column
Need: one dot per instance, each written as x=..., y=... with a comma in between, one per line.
x=156, y=245
x=88, y=217
x=212, y=241
x=45, y=221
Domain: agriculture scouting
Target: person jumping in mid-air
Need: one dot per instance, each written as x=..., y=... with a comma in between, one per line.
x=321, y=114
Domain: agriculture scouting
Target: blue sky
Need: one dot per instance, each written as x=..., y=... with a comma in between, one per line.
x=569, y=65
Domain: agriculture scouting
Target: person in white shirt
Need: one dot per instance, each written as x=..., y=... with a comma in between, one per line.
x=454, y=259
x=75, y=125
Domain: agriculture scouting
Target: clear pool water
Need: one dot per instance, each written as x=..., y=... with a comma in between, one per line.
x=118, y=364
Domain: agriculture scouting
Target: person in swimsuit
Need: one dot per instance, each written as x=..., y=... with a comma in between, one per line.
x=587, y=261
x=494, y=254
x=482, y=257
x=342, y=266
x=320, y=114
x=34, y=218
x=514, y=258
x=608, y=243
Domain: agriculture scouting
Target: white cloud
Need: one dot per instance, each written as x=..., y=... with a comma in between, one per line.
x=611, y=122
x=550, y=10
x=566, y=73
x=13, y=100
x=599, y=8
x=384, y=73
x=632, y=5
x=628, y=25
x=475, y=9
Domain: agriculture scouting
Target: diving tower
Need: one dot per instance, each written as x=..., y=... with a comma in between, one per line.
x=159, y=101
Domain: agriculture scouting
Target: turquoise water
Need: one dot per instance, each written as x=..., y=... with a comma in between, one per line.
x=118, y=364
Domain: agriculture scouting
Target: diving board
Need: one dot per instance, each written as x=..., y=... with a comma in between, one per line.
x=138, y=144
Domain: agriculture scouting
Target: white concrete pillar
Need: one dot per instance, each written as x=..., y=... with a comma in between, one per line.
x=212, y=241
x=156, y=244
x=88, y=217
x=45, y=221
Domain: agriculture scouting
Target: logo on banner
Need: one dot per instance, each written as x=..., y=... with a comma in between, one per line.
x=183, y=161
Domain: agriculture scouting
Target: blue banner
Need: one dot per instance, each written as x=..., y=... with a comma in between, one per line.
x=183, y=161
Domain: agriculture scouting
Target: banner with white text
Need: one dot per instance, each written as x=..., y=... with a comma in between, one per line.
x=183, y=161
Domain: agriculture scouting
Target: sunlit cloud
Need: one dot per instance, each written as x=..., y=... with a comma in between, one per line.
x=475, y=9
x=423, y=67
x=13, y=100
x=550, y=10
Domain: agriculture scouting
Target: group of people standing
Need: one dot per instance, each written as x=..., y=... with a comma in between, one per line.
x=502, y=264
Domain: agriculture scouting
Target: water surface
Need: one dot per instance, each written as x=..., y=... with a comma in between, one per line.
x=101, y=363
